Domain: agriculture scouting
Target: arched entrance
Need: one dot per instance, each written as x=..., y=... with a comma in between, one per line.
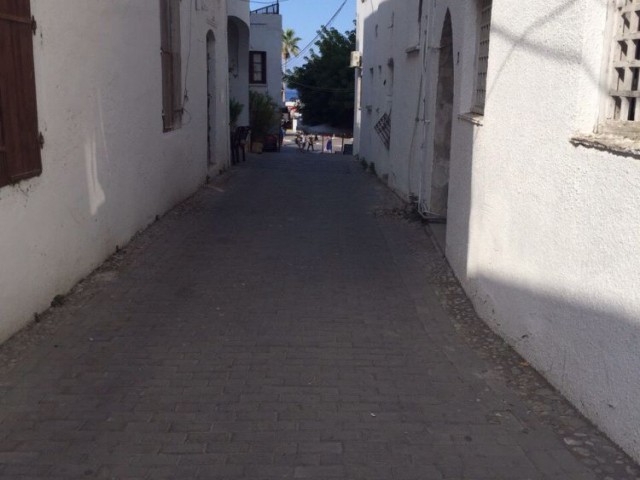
x=238, y=50
x=211, y=97
x=443, y=123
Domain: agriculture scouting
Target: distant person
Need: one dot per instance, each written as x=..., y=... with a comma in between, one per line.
x=330, y=145
x=310, y=143
x=281, y=137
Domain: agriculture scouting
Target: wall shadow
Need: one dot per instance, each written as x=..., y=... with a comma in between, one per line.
x=587, y=347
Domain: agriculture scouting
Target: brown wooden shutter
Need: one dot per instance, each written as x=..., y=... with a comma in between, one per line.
x=167, y=60
x=171, y=66
x=19, y=145
x=4, y=167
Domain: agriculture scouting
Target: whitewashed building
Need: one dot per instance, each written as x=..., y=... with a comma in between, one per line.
x=519, y=123
x=265, y=56
x=104, y=124
x=238, y=43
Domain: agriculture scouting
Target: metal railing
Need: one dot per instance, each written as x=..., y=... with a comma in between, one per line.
x=273, y=9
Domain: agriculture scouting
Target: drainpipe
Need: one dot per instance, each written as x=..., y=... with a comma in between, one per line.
x=428, y=110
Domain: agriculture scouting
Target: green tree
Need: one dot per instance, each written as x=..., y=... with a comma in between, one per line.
x=325, y=82
x=289, y=48
x=289, y=44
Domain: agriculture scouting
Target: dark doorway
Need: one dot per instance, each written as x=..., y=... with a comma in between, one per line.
x=443, y=123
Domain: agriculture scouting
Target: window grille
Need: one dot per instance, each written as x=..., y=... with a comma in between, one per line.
x=484, y=33
x=624, y=70
x=383, y=128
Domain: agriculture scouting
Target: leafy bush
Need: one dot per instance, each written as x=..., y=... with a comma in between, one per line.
x=264, y=117
x=235, y=109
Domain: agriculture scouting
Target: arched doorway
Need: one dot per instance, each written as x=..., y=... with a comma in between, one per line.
x=238, y=35
x=211, y=98
x=443, y=123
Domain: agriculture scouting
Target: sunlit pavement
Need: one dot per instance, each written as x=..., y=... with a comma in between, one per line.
x=283, y=323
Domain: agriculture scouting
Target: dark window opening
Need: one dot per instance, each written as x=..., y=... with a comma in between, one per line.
x=258, y=67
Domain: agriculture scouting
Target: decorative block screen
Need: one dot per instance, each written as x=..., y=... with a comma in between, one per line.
x=483, y=54
x=383, y=128
x=625, y=64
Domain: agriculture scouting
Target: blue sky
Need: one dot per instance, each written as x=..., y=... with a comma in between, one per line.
x=306, y=17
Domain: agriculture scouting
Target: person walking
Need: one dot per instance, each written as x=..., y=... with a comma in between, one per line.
x=281, y=137
x=310, y=143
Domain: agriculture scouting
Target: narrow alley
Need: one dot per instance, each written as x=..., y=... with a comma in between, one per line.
x=285, y=322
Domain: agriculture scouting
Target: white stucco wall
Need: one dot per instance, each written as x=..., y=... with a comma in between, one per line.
x=543, y=235
x=266, y=36
x=238, y=39
x=387, y=33
x=108, y=169
x=239, y=9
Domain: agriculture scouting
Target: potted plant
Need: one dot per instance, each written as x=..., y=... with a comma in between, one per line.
x=263, y=119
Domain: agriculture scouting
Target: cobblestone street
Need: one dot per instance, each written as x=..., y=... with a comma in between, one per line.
x=285, y=322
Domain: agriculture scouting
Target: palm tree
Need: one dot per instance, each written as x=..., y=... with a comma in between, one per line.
x=289, y=44
x=289, y=48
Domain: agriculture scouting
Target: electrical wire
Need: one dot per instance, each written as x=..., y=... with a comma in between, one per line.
x=321, y=89
x=312, y=42
x=185, y=97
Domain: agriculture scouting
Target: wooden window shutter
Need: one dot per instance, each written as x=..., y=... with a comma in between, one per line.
x=171, y=65
x=4, y=167
x=258, y=67
x=19, y=142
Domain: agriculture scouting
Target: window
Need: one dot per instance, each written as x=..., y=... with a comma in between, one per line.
x=258, y=67
x=171, y=69
x=415, y=31
x=622, y=113
x=484, y=32
x=383, y=129
x=19, y=143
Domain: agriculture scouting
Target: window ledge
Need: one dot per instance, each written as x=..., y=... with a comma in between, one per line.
x=628, y=147
x=412, y=49
x=474, y=118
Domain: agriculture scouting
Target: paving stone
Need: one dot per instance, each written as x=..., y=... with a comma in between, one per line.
x=277, y=325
